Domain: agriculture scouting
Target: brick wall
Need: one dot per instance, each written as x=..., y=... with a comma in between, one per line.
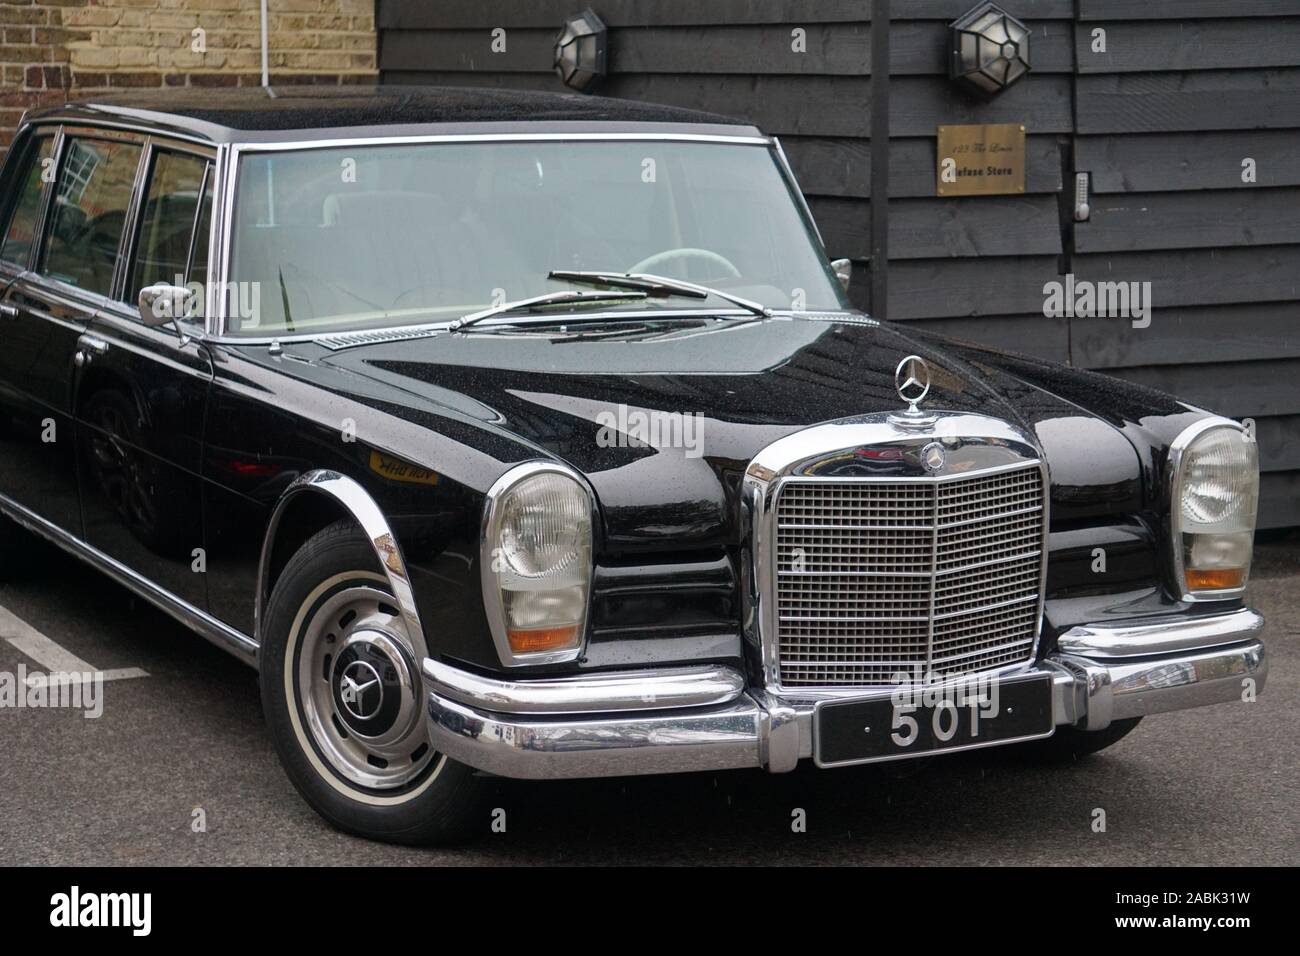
x=54, y=50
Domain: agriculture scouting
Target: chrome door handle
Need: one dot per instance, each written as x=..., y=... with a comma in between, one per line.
x=91, y=344
x=8, y=310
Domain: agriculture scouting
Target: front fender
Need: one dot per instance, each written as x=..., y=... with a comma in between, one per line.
x=357, y=502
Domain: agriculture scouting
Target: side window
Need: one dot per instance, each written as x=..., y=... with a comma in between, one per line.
x=90, y=203
x=28, y=188
x=167, y=223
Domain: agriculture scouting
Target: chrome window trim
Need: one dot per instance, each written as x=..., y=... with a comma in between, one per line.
x=198, y=218
x=492, y=605
x=1177, y=451
x=228, y=175
x=781, y=462
x=112, y=134
x=47, y=202
x=522, y=136
x=71, y=296
x=131, y=224
x=81, y=121
x=788, y=171
x=218, y=273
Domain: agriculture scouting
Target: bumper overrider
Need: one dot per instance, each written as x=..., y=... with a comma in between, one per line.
x=681, y=719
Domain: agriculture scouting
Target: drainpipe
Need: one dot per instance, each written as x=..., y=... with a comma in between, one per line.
x=266, y=74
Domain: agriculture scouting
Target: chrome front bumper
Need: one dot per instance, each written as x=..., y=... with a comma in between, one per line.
x=705, y=718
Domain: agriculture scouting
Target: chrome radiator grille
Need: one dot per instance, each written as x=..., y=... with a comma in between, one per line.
x=874, y=577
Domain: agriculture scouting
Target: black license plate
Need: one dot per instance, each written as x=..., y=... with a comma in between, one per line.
x=914, y=722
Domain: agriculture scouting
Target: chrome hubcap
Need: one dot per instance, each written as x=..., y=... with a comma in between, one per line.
x=359, y=690
x=374, y=688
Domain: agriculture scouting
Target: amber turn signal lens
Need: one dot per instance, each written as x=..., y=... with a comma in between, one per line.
x=1214, y=579
x=542, y=639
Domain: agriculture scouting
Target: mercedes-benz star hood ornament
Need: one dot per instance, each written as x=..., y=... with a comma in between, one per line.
x=912, y=379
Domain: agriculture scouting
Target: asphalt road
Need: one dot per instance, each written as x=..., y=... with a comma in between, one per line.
x=1211, y=786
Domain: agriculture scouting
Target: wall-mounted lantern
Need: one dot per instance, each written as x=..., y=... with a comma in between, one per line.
x=580, y=51
x=990, y=49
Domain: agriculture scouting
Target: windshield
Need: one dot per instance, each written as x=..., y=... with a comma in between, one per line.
x=372, y=236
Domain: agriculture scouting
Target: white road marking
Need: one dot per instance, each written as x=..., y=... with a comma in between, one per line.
x=54, y=658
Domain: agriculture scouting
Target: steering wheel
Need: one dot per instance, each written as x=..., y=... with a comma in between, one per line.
x=651, y=263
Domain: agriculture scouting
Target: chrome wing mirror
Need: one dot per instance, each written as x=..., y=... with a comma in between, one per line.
x=843, y=269
x=162, y=304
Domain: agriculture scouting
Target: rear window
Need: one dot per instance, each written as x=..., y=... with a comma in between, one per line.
x=89, y=213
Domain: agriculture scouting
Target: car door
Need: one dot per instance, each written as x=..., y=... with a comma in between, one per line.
x=141, y=398
x=72, y=257
x=24, y=458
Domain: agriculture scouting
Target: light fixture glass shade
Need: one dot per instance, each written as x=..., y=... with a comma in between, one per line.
x=580, y=51
x=989, y=49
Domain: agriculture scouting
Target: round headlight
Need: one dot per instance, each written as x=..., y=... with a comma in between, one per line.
x=537, y=569
x=545, y=525
x=1215, y=466
x=1220, y=477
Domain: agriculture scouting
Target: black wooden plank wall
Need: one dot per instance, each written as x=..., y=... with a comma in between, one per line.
x=1162, y=120
x=1185, y=92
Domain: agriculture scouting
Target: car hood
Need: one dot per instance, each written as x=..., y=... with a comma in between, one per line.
x=722, y=389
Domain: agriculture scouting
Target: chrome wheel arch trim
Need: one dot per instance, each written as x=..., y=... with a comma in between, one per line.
x=358, y=503
x=795, y=457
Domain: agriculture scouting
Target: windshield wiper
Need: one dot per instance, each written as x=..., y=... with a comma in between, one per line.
x=658, y=285
x=550, y=298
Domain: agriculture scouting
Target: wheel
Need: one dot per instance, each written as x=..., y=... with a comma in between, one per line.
x=340, y=684
x=1069, y=743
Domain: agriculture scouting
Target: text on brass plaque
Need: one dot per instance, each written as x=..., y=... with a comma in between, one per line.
x=980, y=160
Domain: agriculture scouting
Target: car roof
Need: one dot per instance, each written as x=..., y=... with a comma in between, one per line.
x=277, y=113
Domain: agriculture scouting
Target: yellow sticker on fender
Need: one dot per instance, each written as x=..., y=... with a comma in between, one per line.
x=394, y=469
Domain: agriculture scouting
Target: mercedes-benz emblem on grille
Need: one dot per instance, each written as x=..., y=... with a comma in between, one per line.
x=912, y=379
x=933, y=457
x=361, y=691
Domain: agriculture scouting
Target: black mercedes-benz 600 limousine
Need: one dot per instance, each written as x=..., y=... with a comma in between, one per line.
x=534, y=436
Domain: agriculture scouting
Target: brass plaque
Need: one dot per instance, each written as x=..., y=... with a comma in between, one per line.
x=980, y=160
